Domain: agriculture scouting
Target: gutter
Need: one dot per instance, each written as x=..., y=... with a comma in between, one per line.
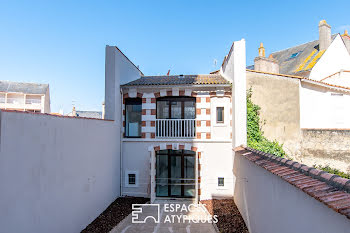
x=121, y=143
x=175, y=85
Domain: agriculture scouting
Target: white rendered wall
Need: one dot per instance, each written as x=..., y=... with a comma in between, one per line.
x=335, y=58
x=47, y=101
x=56, y=174
x=322, y=107
x=234, y=70
x=341, y=78
x=216, y=161
x=220, y=130
x=269, y=204
x=118, y=70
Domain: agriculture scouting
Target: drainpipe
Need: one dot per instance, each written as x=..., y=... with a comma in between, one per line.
x=121, y=143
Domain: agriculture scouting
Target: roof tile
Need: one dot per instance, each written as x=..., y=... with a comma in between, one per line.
x=326, y=188
x=201, y=79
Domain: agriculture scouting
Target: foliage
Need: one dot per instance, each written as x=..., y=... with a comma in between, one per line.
x=255, y=136
x=334, y=171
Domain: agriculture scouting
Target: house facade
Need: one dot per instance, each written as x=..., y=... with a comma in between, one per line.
x=303, y=92
x=30, y=97
x=176, y=131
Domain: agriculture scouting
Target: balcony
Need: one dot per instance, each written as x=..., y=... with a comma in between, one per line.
x=175, y=128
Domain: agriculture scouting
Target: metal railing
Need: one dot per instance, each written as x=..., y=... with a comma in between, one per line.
x=175, y=128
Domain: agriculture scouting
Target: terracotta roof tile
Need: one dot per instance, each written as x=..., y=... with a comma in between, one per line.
x=327, y=188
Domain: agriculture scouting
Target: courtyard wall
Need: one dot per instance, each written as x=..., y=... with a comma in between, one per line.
x=57, y=174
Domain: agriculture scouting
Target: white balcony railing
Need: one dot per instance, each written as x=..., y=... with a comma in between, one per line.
x=33, y=101
x=175, y=128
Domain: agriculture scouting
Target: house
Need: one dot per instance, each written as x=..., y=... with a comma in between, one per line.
x=303, y=92
x=176, y=130
x=59, y=173
x=31, y=97
x=88, y=114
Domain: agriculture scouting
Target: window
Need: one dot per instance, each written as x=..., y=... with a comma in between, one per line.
x=294, y=55
x=176, y=108
x=133, y=113
x=219, y=114
x=132, y=179
x=221, y=182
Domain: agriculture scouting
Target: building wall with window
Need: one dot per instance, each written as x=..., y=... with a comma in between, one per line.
x=172, y=117
x=30, y=97
x=195, y=110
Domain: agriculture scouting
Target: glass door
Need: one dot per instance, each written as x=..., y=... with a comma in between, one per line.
x=162, y=174
x=175, y=173
x=189, y=176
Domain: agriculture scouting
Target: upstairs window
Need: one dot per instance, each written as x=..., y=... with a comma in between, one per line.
x=133, y=114
x=219, y=114
x=176, y=108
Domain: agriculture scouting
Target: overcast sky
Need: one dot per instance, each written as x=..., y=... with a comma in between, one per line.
x=63, y=43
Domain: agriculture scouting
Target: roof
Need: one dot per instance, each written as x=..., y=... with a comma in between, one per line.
x=330, y=189
x=299, y=60
x=89, y=114
x=316, y=82
x=201, y=79
x=27, y=88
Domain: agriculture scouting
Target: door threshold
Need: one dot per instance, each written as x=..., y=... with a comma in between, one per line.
x=175, y=198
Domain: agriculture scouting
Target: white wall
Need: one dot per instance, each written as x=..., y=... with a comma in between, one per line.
x=322, y=107
x=269, y=204
x=56, y=174
x=335, y=58
x=216, y=161
x=118, y=70
x=234, y=70
x=341, y=79
x=220, y=130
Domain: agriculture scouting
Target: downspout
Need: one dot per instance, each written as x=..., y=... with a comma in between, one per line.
x=121, y=143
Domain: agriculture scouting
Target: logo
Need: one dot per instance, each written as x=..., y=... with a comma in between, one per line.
x=142, y=212
x=174, y=213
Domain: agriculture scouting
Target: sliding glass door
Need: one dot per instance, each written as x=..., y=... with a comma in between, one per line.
x=175, y=173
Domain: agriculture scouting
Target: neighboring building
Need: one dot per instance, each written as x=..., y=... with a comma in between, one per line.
x=177, y=130
x=31, y=97
x=88, y=114
x=315, y=60
x=303, y=92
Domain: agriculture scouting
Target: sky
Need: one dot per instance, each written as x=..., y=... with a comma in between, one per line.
x=62, y=43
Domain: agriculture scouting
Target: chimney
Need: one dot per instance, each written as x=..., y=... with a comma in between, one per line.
x=261, y=50
x=74, y=112
x=346, y=39
x=264, y=64
x=324, y=35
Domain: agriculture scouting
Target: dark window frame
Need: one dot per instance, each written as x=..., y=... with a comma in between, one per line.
x=181, y=99
x=181, y=153
x=221, y=181
x=132, y=101
x=222, y=114
x=132, y=178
